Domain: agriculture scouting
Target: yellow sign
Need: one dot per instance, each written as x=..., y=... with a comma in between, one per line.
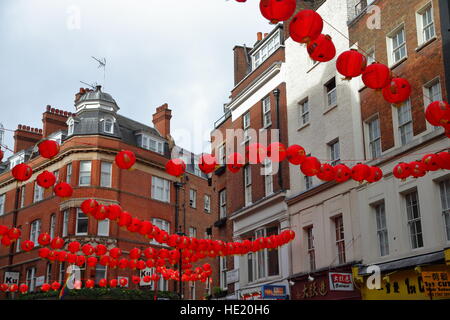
x=437, y=284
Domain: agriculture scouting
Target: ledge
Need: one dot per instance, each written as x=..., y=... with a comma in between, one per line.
x=395, y=65
x=329, y=109
x=304, y=126
x=425, y=44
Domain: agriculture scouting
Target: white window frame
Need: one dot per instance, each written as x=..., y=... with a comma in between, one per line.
x=101, y=272
x=222, y=154
x=414, y=221
x=266, y=112
x=22, y=196
x=261, y=258
x=304, y=112
x=248, y=184
x=371, y=58
x=264, y=52
x=2, y=203
x=81, y=216
x=207, y=203
x=70, y=126
x=105, y=174
x=192, y=232
x=392, y=49
x=65, y=223
x=111, y=121
x=163, y=185
x=48, y=272
x=444, y=187
x=103, y=228
x=340, y=238
x=335, y=152
x=69, y=173
x=162, y=225
x=31, y=279
x=84, y=173
x=268, y=177
x=38, y=193
x=223, y=272
x=381, y=228
x=52, y=225
x=193, y=198
x=374, y=137
x=406, y=126
x=422, y=29
x=16, y=159
x=150, y=143
x=432, y=91
x=223, y=203
x=331, y=96
x=309, y=233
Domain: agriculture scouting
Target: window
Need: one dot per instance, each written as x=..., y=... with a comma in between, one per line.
x=48, y=273
x=193, y=198
x=405, y=125
x=248, y=184
x=31, y=279
x=382, y=233
x=267, y=117
x=222, y=154
x=311, y=252
x=192, y=232
x=16, y=159
x=414, y=223
x=192, y=289
x=2, y=203
x=304, y=112
x=330, y=88
x=81, y=224
x=62, y=272
x=433, y=92
x=108, y=125
x=105, y=179
x=246, y=125
x=266, y=50
x=161, y=224
x=374, y=138
x=371, y=57
x=85, y=173
x=65, y=225
x=22, y=196
x=56, y=174
x=52, y=225
x=100, y=273
x=223, y=203
x=267, y=261
x=152, y=144
x=69, y=173
x=38, y=193
x=160, y=189
x=18, y=245
x=425, y=24
x=335, y=152
x=397, y=46
x=340, y=241
x=70, y=124
x=35, y=229
x=445, y=200
x=103, y=228
x=250, y=266
x=207, y=203
x=223, y=272
x=308, y=182
x=268, y=177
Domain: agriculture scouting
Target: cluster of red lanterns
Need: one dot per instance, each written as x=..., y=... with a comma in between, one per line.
x=23, y=288
x=8, y=235
x=438, y=114
x=416, y=169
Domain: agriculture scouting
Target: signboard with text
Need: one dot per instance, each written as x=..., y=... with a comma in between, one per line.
x=274, y=292
x=437, y=283
x=12, y=278
x=341, y=281
x=233, y=276
x=143, y=273
x=40, y=281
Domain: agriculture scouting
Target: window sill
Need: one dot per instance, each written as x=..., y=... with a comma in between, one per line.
x=395, y=65
x=330, y=108
x=425, y=44
x=303, y=126
x=267, y=126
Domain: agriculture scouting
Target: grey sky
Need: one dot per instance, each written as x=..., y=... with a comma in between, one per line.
x=157, y=51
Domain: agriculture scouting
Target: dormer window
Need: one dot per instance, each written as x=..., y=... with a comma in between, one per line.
x=108, y=125
x=152, y=144
x=70, y=125
x=270, y=46
x=16, y=159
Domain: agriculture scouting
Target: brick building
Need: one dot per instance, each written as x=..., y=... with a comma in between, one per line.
x=251, y=201
x=90, y=138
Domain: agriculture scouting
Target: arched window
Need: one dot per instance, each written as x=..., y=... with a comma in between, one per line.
x=70, y=124
x=108, y=125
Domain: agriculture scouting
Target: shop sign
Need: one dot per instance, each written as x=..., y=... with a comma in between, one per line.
x=313, y=289
x=274, y=292
x=437, y=283
x=12, y=278
x=143, y=273
x=341, y=281
x=40, y=281
x=233, y=276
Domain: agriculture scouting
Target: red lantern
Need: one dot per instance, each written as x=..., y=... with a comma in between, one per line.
x=81, y=260
x=23, y=288
x=104, y=260
x=125, y=159
x=418, y=169
x=150, y=253
x=235, y=162
x=351, y=64
x=375, y=175
x=343, y=173
x=135, y=225
x=277, y=10
x=147, y=279
x=100, y=250
x=306, y=25
x=27, y=245
x=14, y=234
x=88, y=206
x=44, y=253
x=141, y=265
x=432, y=162
x=87, y=249
x=255, y=153
x=326, y=172
x=377, y=76
x=135, y=279
x=360, y=172
x=56, y=286
x=114, y=211
x=207, y=163
x=397, y=91
x=124, y=219
x=13, y=288
x=175, y=167
x=123, y=263
x=90, y=283
x=46, y=179
x=102, y=283
x=3, y=230
x=4, y=287
x=310, y=166
x=6, y=241
x=44, y=239
x=92, y=261
x=101, y=212
x=22, y=172
x=72, y=258
x=135, y=253
x=295, y=154
x=123, y=282
x=276, y=152
x=322, y=48
x=145, y=227
x=57, y=243
x=45, y=287
x=1, y=155
x=438, y=113
x=74, y=246
x=402, y=171
x=48, y=148
x=445, y=160
x=115, y=253
x=113, y=283
x=63, y=190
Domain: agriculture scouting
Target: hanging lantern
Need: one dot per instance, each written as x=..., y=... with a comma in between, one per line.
x=147, y=279
x=114, y=211
x=310, y=166
x=295, y=154
x=445, y=160
x=145, y=228
x=102, y=283
x=44, y=239
x=52, y=255
x=74, y=246
x=123, y=263
x=13, y=288
x=22, y=172
x=124, y=219
x=88, y=206
x=322, y=48
x=375, y=175
x=135, y=279
x=377, y=76
x=326, y=172
x=235, y=162
x=72, y=258
x=1, y=155
x=175, y=167
x=113, y=283
x=27, y=245
x=135, y=225
x=63, y=190
x=81, y=260
x=45, y=287
x=56, y=286
x=276, y=152
x=48, y=148
x=418, y=169
x=23, y=288
x=398, y=91
x=402, y=171
x=6, y=241
x=61, y=256
x=4, y=287
x=255, y=153
x=125, y=159
x=123, y=282
x=115, y=253
x=14, y=234
x=87, y=249
x=101, y=250
x=438, y=113
x=46, y=179
x=432, y=162
x=343, y=173
x=104, y=260
x=101, y=212
x=57, y=243
x=360, y=172
x=44, y=252
x=140, y=265
x=207, y=163
x=277, y=10
x=92, y=262
x=306, y=25
x=150, y=253
x=351, y=64
x=3, y=230
x=90, y=283
x=135, y=253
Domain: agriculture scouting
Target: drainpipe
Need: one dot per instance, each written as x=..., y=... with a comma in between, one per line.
x=276, y=93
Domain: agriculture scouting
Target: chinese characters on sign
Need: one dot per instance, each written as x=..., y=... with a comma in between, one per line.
x=341, y=281
x=437, y=284
x=313, y=289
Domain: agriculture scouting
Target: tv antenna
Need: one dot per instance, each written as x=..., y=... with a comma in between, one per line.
x=101, y=64
x=93, y=85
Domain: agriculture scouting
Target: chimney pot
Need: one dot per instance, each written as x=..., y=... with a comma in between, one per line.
x=265, y=35
x=48, y=107
x=19, y=127
x=259, y=36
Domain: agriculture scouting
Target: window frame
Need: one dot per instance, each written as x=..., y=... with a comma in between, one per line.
x=310, y=247
x=2, y=203
x=402, y=126
x=207, y=203
x=331, y=95
x=77, y=233
x=103, y=173
x=165, y=189
x=193, y=198
x=445, y=205
x=266, y=113
x=223, y=203
x=381, y=229
x=421, y=28
x=248, y=184
x=108, y=120
x=85, y=173
x=65, y=223
x=392, y=50
x=102, y=224
x=39, y=192
x=304, y=114
x=340, y=238
x=414, y=221
x=335, y=152
x=374, y=143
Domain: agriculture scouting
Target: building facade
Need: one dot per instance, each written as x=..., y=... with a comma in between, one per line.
x=90, y=138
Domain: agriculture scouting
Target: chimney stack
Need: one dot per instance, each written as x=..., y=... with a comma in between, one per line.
x=161, y=120
x=26, y=137
x=54, y=120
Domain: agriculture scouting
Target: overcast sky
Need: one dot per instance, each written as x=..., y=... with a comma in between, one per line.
x=158, y=51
